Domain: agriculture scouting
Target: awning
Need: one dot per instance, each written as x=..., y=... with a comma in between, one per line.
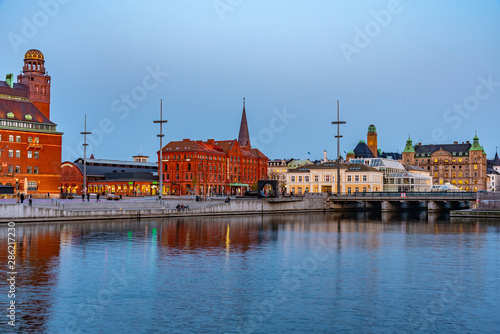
x=238, y=185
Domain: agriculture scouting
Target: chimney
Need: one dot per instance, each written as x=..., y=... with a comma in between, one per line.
x=186, y=139
x=467, y=142
x=8, y=80
x=455, y=142
x=324, y=156
x=211, y=141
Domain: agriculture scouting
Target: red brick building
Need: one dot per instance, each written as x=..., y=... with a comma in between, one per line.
x=212, y=167
x=30, y=146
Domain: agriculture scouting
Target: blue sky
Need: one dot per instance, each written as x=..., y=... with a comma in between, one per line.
x=425, y=68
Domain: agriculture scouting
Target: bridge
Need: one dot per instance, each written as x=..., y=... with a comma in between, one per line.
x=392, y=201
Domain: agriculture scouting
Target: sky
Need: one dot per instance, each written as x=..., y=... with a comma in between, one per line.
x=426, y=69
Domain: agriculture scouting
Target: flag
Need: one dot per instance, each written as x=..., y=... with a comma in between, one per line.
x=308, y=152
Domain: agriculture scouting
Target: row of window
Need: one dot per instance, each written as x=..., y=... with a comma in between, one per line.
x=209, y=157
x=211, y=177
x=36, y=154
x=26, y=124
x=17, y=169
x=466, y=174
x=329, y=178
x=18, y=139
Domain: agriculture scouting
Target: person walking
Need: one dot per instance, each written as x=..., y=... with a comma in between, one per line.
x=22, y=198
x=18, y=195
x=30, y=200
x=83, y=197
x=97, y=197
x=88, y=197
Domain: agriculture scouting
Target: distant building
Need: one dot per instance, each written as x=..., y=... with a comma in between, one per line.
x=493, y=172
x=30, y=145
x=397, y=178
x=369, y=148
x=277, y=170
x=462, y=165
x=212, y=167
x=323, y=178
x=128, y=178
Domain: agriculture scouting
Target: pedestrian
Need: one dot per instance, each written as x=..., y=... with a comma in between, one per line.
x=30, y=199
x=48, y=195
x=88, y=197
x=22, y=198
x=18, y=195
x=98, y=195
x=83, y=197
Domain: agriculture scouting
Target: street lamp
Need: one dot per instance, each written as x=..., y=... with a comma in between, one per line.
x=338, y=136
x=161, y=135
x=85, y=133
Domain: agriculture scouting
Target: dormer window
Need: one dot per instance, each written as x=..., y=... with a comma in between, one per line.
x=28, y=117
x=10, y=115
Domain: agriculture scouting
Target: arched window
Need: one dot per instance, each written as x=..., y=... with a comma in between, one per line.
x=176, y=167
x=189, y=166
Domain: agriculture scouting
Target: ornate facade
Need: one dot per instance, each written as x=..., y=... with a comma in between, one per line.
x=462, y=165
x=30, y=146
x=212, y=167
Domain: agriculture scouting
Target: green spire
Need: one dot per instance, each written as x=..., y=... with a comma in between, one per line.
x=475, y=145
x=409, y=146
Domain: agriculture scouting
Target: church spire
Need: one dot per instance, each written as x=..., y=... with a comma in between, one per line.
x=244, y=136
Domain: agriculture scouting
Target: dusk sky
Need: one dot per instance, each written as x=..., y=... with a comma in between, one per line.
x=425, y=68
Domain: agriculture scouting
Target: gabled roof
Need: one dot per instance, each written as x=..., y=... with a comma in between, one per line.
x=18, y=90
x=188, y=145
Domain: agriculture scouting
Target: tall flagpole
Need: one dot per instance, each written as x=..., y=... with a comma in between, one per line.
x=160, y=155
x=85, y=133
x=338, y=136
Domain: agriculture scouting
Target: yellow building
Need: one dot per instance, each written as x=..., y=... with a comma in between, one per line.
x=323, y=178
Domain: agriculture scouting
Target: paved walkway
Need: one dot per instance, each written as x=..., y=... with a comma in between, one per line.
x=128, y=203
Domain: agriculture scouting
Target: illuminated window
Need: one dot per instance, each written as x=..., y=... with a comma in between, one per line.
x=475, y=166
x=18, y=154
x=18, y=139
x=30, y=154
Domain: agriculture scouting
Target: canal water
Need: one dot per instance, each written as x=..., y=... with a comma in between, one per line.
x=304, y=273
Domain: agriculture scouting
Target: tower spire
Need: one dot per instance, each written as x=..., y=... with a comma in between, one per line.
x=244, y=136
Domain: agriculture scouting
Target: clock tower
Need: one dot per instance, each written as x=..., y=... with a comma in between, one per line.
x=37, y=80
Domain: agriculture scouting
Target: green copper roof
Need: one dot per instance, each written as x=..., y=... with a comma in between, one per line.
x=379, y=151
x=350, y=152
x=372, y=128
x=475, y=145
x=362, y=142
x=409, y=147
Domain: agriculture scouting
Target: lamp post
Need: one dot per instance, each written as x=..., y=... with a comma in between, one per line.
x=160, y=156
x=85, y=133
x=338, y=136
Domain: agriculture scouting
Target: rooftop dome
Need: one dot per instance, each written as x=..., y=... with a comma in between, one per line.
x=372, y=128
x=33, y=54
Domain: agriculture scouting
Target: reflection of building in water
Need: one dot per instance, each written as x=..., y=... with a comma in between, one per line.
x=37, y=259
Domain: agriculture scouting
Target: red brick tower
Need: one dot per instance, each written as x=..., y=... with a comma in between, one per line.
x=37, y=81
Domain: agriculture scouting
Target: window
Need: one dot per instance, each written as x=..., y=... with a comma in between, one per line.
x=35, y=170
x=37, y=154
x=11, y=169
x=306, y=178
x=30, y=154
x=292, y=178
x=177, y=167
x=11, y=153
x=30, y=170
x=167, y=177
x=11, y=138
x=177, y=177
x=18, y=139
x=349, y=179
x=327, y=178
x=300, y=178
x=18, y=154
x=364, y=189
x=18, y=169
x=32, y=185
x=349, y=190
x=316, y=178
x=356, y=178
x=364, y=179
x=37, y=140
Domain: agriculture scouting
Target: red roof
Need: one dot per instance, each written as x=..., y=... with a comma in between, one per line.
x=19, y=107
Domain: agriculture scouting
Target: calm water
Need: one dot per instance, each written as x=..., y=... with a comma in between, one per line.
x=273, y=274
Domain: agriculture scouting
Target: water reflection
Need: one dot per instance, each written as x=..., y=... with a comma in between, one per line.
x=358, y=271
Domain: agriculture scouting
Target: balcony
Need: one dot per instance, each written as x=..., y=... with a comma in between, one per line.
x=35, y=146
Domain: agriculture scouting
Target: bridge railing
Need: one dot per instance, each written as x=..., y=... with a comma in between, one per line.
x=386, y=194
